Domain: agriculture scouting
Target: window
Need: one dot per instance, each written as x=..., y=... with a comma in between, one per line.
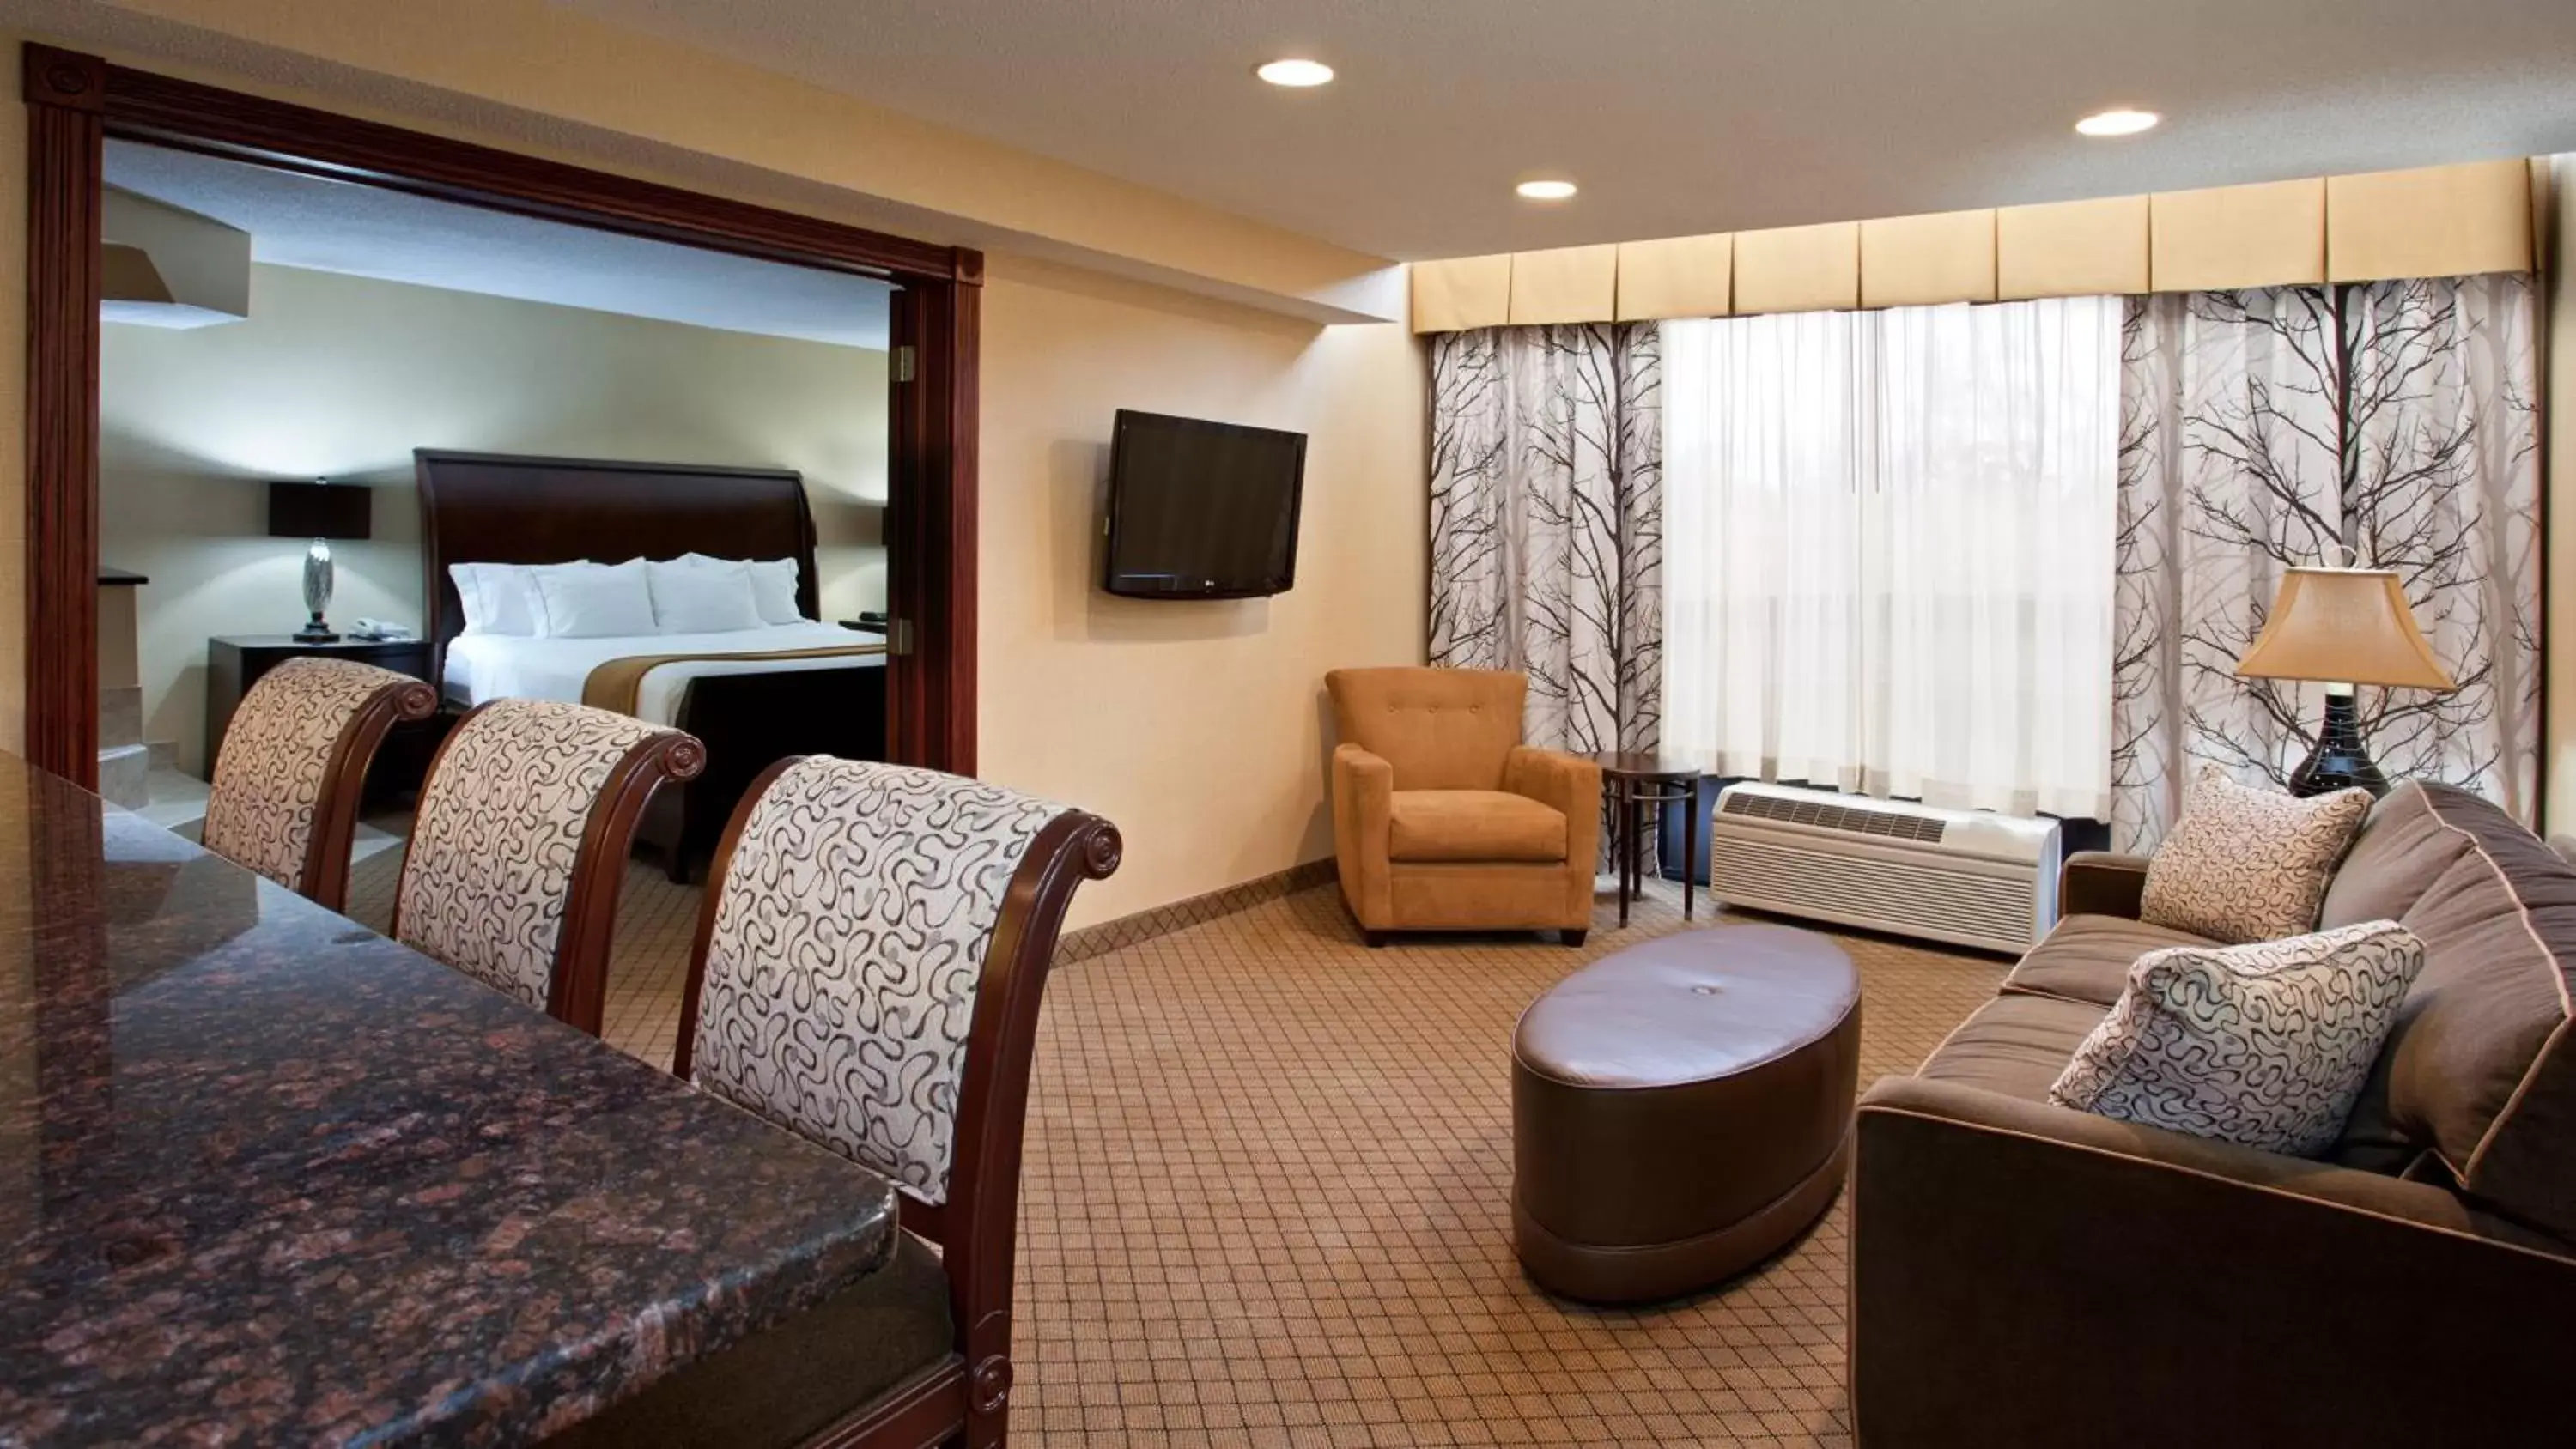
x=1888, y=550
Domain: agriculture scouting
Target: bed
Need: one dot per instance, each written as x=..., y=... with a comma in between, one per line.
x=478, y=667
x=749, y=709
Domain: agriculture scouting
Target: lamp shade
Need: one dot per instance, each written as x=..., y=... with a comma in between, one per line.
x=2344, y=626
x=319, y=510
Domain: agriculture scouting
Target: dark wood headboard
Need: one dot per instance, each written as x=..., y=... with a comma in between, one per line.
x=504, y=508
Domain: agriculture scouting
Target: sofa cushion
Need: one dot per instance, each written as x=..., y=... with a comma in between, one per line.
x=2402, y=849
x=2087, y=958
x=2014, y=1045
x=2244, y=864
x=1472, y=825
x=2264, y=1045
x=2480, y=1068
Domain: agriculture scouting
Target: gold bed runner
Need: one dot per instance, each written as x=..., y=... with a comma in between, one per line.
x=614, y=683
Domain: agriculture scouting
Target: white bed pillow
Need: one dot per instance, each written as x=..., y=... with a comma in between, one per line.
x=702, y=596
x=498, y=598
x=773, y=585
x=593, y=600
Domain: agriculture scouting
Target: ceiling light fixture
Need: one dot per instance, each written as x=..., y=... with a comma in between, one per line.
x=2123, y=122
x=1296, y=73
x=1546, y=190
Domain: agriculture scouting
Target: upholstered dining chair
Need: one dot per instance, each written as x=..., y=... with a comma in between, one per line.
x=869, y=962
x=293, y=764
x=519, y=846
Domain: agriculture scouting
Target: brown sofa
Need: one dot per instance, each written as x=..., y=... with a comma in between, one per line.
x=2026, y=1274
x=1443, y=820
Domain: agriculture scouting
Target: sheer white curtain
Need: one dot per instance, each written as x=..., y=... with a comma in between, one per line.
x=1888, y=550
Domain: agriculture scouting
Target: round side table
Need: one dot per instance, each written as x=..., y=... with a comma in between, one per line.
x=1638, y=786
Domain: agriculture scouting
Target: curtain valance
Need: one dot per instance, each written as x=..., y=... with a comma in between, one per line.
x=2440, y=221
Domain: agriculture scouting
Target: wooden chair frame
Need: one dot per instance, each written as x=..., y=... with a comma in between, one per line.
x=324, y=877
x=965, y=1397
x=577, y=988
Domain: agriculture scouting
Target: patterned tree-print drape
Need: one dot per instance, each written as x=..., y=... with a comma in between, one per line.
x=1547, y=523
x=2263, y=428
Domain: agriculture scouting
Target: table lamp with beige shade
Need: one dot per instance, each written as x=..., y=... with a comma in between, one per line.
x=2343, y=627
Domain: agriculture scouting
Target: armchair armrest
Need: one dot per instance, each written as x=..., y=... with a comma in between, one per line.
x=2101, y=883
x=1569, y=785
x=2015, y=1263
x=1363, y=802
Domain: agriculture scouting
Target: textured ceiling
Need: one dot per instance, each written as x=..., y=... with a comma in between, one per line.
x=334, y=226
x=1677, y=116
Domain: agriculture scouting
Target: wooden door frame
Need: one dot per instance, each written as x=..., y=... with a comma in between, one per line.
x=76, y=102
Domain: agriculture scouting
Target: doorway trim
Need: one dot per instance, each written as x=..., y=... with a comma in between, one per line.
x=76, y=102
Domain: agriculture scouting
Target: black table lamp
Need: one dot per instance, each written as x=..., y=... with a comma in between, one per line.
x=2342, y=627
x=320, y=512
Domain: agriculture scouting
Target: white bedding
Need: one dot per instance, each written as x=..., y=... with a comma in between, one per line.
x=498, y=666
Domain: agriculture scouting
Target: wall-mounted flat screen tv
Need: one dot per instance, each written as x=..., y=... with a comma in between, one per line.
x=1201, y=510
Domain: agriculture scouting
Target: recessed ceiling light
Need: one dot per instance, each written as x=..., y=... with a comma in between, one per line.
x=1546, y=190
x=2117, y=123
x=1295, y=72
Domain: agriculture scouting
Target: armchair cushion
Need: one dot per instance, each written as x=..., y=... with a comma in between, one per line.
x=1473, y=825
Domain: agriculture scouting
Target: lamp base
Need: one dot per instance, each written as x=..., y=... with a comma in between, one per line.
x=2338, y=762
x=315, y=631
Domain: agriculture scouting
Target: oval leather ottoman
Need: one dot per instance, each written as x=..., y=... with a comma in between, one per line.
x=1681, y=1110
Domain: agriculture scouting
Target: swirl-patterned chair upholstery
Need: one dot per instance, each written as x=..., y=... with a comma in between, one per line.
x=520, y=842
x=293, y=764
x=870, y=958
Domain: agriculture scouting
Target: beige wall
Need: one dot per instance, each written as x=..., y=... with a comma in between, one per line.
x=2558, y=638
x=341, y=377
x=1196, y=726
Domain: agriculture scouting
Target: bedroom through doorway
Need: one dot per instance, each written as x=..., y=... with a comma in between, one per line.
x=530, y=459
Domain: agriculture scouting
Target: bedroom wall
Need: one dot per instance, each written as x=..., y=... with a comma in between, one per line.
x=1198, y=727
x=341, y=377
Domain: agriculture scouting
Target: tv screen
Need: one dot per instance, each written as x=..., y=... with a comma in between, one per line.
x=1201, y=510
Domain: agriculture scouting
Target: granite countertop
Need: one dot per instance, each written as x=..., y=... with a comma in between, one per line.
x=266, y=1177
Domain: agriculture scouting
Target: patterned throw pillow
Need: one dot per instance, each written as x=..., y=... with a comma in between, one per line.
x=2248, y=865
x=2267, y=1045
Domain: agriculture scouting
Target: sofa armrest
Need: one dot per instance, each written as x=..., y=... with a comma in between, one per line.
x=2101, y=883
x=1363, y=804
x=2025, y=1274
x=1569, y=785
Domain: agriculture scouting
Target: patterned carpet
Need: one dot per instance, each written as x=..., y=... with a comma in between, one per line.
x=1268, y=1197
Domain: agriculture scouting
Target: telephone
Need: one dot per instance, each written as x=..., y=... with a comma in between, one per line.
x=381, y=632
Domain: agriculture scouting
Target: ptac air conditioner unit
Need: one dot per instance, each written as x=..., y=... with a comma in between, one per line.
x=1963, y=876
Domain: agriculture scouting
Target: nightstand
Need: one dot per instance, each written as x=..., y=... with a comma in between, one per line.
x=235, y=662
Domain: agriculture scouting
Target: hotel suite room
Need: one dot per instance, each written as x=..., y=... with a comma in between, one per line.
x=1349, y=1118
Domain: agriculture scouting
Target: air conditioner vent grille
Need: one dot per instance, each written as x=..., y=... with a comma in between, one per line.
x=1917, y=898
x=1884, y=824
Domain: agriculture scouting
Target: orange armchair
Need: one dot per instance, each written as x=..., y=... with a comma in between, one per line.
x=1444, y=821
